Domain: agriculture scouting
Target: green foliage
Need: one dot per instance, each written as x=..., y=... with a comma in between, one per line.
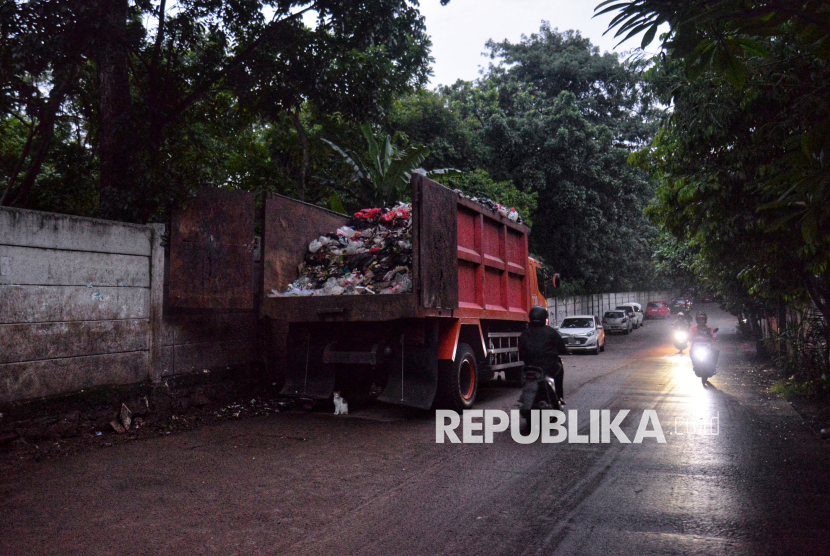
x=431, y=119
x=558, y=120
x=479, y=184
x=148, y=84
x=805, y=357
x=383, y=174
x=741, y=161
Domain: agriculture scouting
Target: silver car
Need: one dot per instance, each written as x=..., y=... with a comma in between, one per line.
x=617, y=321
x=583, y=333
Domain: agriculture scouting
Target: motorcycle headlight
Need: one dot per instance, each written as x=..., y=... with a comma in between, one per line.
x=680, y=336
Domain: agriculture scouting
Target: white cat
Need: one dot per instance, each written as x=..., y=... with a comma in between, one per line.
x=340, y=405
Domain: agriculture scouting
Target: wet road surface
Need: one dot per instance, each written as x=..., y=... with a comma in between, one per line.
x=738, y=474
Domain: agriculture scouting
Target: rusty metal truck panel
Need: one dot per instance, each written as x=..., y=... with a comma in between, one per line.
x=434, y=224
x=211, y=245
x=290, y=225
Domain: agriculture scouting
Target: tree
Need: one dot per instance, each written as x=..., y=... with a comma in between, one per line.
x=746, y=142
x=159, y=71
x=559, y=120
x=432, y=119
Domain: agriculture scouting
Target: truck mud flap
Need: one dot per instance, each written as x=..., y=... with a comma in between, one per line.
x=307, y=376
x=413, y=379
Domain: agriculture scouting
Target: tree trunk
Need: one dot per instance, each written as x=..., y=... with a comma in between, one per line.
x=41, y=138
x=118, y=197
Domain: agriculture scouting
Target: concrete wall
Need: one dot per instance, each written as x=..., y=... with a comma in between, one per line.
x=82, y=305
x=597, y=304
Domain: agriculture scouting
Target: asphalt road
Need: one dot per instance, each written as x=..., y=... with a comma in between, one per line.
x=376, y=482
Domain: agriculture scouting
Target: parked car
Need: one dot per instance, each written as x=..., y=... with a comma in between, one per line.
x=637, y=309
x=616, y=321
x=657, y=310
x=583, y=333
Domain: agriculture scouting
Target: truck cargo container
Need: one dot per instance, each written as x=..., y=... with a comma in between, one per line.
x=473, y=284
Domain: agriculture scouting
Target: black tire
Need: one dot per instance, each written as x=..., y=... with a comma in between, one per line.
x=603, y=347
x=627, y=331
x=596, y=350
x=458, y=380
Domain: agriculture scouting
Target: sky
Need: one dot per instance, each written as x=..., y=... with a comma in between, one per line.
x=460, y=29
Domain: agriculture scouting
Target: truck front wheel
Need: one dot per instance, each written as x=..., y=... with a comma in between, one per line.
x=458, y=380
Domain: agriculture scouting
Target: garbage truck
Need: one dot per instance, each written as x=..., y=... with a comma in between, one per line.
x=472, y=285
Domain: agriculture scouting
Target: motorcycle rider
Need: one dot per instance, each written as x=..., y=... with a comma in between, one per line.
x=704, y=332
x=681, y=332
x=540, y=346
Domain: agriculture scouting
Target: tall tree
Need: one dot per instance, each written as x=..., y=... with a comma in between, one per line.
x=160, y=69
x=742, y=160
x=558, y=119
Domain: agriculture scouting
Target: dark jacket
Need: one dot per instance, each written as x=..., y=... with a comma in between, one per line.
x=540, y=346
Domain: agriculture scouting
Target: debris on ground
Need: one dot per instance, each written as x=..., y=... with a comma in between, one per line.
x=371, y=255
x=124, y=420
x=236, y=410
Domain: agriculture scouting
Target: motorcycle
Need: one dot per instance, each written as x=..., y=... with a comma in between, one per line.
x=681, y=340
x=704, y=357
x=538, y=392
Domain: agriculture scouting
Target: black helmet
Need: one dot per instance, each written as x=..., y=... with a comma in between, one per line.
x=538, y=315
x=701, y=315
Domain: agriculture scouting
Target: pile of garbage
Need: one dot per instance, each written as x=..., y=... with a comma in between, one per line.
x=493, y=206
x=371, y=255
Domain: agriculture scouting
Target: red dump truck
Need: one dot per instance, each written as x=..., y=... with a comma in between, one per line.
x=473, y=284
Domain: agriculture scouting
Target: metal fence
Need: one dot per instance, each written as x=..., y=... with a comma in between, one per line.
x=597, y=304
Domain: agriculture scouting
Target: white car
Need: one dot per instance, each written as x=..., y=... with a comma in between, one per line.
x=616, y=321
x=638, y=313
x=583, y=333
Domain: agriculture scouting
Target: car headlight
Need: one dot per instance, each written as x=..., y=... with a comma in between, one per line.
x=589, y=334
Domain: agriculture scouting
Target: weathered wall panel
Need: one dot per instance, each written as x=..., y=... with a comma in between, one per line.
x=31, y=228
x=58, y=335
x=54, y=267
x=26, y=304
x=54, y=340
x=20, y=381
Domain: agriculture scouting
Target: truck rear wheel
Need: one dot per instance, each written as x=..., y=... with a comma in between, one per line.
x=458, y=380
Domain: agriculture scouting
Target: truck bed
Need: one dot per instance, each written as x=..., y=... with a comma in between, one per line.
x=467, y=262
